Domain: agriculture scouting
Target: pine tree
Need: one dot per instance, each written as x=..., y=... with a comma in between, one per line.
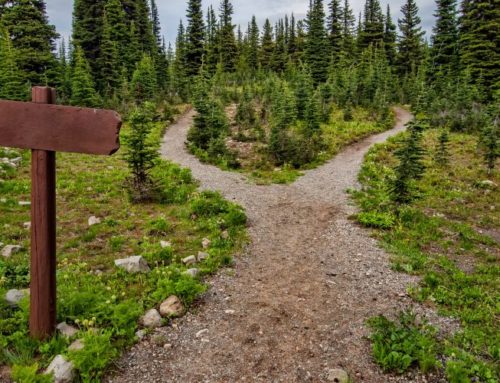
x=179, y=67
x=490, y=142
x=390, y=37
x=195, y=38
x=292, y=39
x=348, y=30
x=267, y=46
x=211, y=42
x=144, y=83
x=316, y=52
x=228, y=47
x=444, y=51
x=118, y=29
x=479, y=47
x=442, y=152
x=335, y=27
x=279, y=57
x=155, y=22
x=253, y=45
x=32, y=38
x=82, y=87
x=109, y=64
x=410, y=44
x=410, y=167
x=12, y=85
x=372, y=29
x=303, y=92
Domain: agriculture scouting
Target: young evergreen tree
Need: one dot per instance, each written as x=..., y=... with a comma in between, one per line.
x=12, y=85
x=316, y=50
x=348, y=30
x=335, y=28
x=410, y=41
x=479, y=47
x=444, y=50
x=490, y=142
x=179, y=68
x=82, y=87
x=33, y=39
x=279, y=57
x=227, y=40
x=212, y=54
x=442, y=150
x=410, y=167
x=253, y=45
x=267, y=46
x=390, y=37
x=195, y=38
x=109, y=63
x=372, y=28
x=144, y=83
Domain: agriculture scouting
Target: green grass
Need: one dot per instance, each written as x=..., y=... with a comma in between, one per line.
x=336, y=135
x=445, y=236
x=103, y=302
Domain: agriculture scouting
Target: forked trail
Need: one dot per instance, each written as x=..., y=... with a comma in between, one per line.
x=296, y=302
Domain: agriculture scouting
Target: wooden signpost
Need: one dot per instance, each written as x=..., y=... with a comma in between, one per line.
x=46, y=129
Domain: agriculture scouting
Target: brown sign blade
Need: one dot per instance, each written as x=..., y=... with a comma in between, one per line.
x=59, y=128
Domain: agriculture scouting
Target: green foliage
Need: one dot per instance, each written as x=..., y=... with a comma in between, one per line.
x=490, y=142
x=29, y=374
x=442, y=154
x=141, y=154
x=410, y=45
x=143, y=82
x=398, y=346
x=12, y=86
x=376, y=219
x=316, y=50
x=82, y=87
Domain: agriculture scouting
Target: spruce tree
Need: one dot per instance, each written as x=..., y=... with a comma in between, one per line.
x=82, y=87
x=109, y=63
x=33, y=39
x=444, y=51
x=316, y=52
x=410, y=43
x=179, y=67
x=442, y=152
x=253, y=45
x=479, y=47
x=195, y=38
x=390, y=37
x=12, y=85
x=490, y=142
x=348, y=30
x=335, y=28
x=211, y=42
x=279, y=57
x=228, y=47
x=372, y=29
x=267, y=46
x=144, y=84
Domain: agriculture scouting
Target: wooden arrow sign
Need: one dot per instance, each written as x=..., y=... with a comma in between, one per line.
x=28, y=125
x=45, y=129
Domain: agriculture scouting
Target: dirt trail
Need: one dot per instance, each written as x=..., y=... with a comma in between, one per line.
x=295, y=304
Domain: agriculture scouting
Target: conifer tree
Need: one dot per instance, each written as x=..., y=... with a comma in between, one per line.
x=292, y=39
x=211, y=42
x=33, y=39
x=490, y=141
x=335, y=27
x=390, y=37
x=82, y=87
x=372, y=29
x=267, y=46
x=155, y=22
x=303, y=92
x=253, y=45
x=109, y=64
x=279, y=57
x=228, y=47
x=316, y=52
x=479, y=47
x=444, y=51
x=442, y=152
x=410, y=43
x=179, y=67
x=144, y=84
x=348, y=30
x=12, y=85
x=116, y=26
x=195, y=38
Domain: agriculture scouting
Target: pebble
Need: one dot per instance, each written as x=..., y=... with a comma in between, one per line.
x=152, y=319
x=202, y=256
x=24, y=203
x=63, y=370
x=206, y=243
x=200, y=333
x=192, y=272
x=77, y=345
x=13, y=297
x=172, y=306
x=94, y=221
x=191, y=260
x=165, y=244
x=135, y=264
x=10, y=250
x=67, y=330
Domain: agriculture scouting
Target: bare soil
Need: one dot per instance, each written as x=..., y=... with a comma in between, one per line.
x=295, y=304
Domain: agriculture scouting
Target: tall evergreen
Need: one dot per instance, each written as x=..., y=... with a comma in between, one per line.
x=348, y=30
x=195, y=37
x=155, y=22
x=390, y=37
x=410, y=40
x=109, y=62
x=316, y=50
x=82, y=87
x=267, y=46
x=479, y=42
x=444, y=51
x=12, y=85
x=144, y=82
x=227, y=40
x=335, y=27
x=372, y=29
x=33, y=39
x=115, y=22
x=253, y=45
x=279, y=58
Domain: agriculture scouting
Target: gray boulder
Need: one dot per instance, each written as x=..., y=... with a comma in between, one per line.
x=172, y=306
x=151, y=319
x=63, y=370
x=135, y=264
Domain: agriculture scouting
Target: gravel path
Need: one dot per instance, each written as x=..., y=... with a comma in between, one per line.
x=295, y=304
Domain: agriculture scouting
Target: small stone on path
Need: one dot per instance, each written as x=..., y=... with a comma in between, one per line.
x=337, y=375
x=200, y=333
x=172, y=306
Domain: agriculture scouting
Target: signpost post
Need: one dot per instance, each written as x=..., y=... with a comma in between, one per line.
x=46, y=129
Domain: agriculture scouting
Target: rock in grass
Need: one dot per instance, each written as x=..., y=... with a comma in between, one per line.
x=191, y=260
x=206, y=243
x=10, y=250
x=140, y=334
x=151, y=319
x=13, y=297
x=77, y=345
x=94, y=221
x=202, y=256
x=488, y=184
x=24, y=203
x=337, y=375
x=225, y=235
x=27, y=225
x=165, y=244
x=192, y=272
x=135, y=264
x=62, y=370
x=172, y=306
x=67, y=330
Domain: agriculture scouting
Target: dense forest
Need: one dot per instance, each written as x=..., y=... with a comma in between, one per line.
x=272, y=99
